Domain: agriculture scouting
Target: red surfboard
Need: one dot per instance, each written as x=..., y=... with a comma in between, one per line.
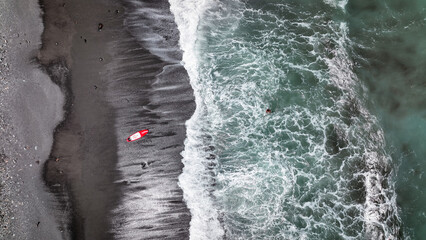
x=137, y=135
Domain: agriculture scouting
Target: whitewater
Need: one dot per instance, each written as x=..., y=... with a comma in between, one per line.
x=318, y=166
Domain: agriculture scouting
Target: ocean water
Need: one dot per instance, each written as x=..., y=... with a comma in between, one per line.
x=342, y=154
x=390, y=53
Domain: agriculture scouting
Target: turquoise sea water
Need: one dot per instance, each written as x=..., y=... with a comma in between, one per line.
x=391, y=55
x=341, y=155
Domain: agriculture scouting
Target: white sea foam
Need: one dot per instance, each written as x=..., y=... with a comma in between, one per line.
x=193, y=180
x=275, y=176
x=380, y=209
x=337, y=3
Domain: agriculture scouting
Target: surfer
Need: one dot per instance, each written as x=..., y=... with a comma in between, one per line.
x=268, y=110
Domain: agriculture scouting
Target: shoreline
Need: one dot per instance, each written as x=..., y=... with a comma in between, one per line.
x=74, y=92
x=150, y=89
x=85, y=169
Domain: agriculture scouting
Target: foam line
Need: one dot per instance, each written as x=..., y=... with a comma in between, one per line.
x=204, y=223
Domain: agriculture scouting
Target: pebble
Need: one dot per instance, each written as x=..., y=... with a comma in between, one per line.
x=144, y=165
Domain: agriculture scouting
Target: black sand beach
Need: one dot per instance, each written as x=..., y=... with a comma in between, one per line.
x=111, y=86
x=81, y=165
x=150, y=89
x=30, y=107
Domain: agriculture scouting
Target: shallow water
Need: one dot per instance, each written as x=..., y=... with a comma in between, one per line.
x=335, y=156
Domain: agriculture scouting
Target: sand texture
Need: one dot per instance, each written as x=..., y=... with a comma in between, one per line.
x=76, y=79
x=30, y=108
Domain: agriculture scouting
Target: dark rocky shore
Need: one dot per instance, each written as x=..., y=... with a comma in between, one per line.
x=105, y=84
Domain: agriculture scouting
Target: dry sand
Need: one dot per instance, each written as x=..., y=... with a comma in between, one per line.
x=69, y=188
x=30, y=107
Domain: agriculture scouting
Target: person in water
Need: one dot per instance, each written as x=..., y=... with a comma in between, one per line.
x=268, y=110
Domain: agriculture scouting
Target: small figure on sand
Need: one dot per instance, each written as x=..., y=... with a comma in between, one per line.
x=100, y=26
x=268, y=110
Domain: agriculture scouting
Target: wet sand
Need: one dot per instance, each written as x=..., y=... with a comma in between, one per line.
x=80, y=168
x=149, y=88
x=109, y=79
x=94, y=76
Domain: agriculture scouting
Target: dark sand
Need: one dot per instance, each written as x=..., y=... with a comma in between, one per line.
x=112, y=89
x=30, y=108
x=105, y=85
x=80, y=169
x=149, y=91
